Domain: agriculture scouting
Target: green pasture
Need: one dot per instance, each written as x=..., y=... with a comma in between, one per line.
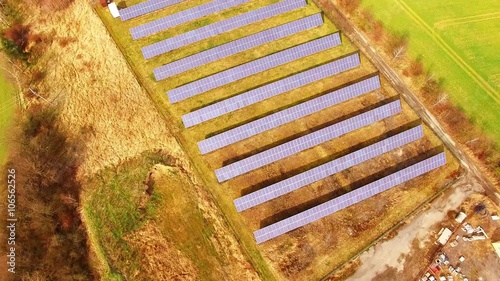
x=458, y=42
x=7, y=104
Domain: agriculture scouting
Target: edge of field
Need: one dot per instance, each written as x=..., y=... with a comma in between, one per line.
x=443, y=60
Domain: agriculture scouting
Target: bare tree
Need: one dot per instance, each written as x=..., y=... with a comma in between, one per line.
x=398, y=52
x=441, y=99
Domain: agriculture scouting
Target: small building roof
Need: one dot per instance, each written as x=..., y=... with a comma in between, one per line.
x=460, y=217
x=113, y=9
x=496, y=246
x=445, y=236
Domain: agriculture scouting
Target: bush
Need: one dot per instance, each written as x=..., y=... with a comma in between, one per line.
x=18, y=41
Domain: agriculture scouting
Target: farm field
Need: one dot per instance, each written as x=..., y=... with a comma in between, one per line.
x=458, y=43
x=314, y=250
x=6, y=111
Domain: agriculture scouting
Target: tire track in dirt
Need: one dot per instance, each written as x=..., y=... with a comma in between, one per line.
x=445, y=23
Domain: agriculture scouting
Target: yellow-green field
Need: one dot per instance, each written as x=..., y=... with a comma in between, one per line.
x=7, y=106
x=310, y=252
x=458, y=41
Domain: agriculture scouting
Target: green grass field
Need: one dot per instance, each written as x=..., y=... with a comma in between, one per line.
x=458, y=41
x=6, y=111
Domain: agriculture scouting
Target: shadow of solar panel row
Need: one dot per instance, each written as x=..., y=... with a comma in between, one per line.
x=253, y=67
x=217, y=28
x=237, y=46
x=183, y=17
x=145, y=8
x=305, y=142
x=288, y=115
x=351, y=198
x=323, y=171
x=270, y=90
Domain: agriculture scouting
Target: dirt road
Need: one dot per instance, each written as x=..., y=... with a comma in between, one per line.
x=393, y=258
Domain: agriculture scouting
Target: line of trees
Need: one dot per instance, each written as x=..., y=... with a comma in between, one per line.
x=51, y=243
x=50, y=240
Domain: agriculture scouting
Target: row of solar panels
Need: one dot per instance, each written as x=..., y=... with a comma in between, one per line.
x=219, y=27
x=342, y=163
x=253, y=67
x=183, y=17
x=237, y=46
x=271, y=90
x=351, y=198
x=145, y=8
x=305, y=142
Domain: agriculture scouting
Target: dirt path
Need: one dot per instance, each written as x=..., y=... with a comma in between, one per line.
x=391, y=254
x=103, y=104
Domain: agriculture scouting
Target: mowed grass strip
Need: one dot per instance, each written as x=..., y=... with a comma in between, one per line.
x=474, y=40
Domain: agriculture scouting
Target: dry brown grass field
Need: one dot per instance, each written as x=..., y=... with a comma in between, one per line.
x=314, y=250
x=103, y=102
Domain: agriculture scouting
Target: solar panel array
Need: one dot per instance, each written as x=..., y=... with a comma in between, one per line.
x=145, y=8
x=349, y=199
x=183, y=17
x=323, y=171
x=270, y=90
x=305, y=142
x=253, y=67
x=282, y=117
x=237, y=46
x=220, y=27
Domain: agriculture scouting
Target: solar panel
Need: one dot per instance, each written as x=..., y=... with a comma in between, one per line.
x=351, y=198
x=145, y=8
x=237, y=46
x=253, y=67
x=305, y=142
x=183, y=17
x=323, y=171
x=282, y=117
x=220, y=27
x=270, y=90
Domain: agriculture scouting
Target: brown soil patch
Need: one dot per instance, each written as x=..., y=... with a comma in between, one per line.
x=160, y=259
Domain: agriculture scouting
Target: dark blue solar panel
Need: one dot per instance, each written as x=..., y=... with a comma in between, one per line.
x=237, y=46
x=288, y=115
x=305, y=142
x=323, y=171
x=270, y=90
x=183, y=17
x=217, y=28
x=253, y=67
x=145, y=8
x=351, y=198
